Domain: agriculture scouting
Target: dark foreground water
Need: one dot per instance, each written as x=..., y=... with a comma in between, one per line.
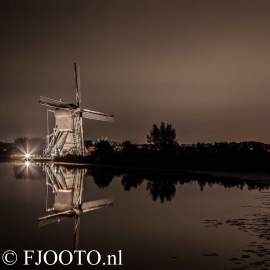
x=157, y=221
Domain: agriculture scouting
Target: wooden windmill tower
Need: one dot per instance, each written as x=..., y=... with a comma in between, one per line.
x=67, y=137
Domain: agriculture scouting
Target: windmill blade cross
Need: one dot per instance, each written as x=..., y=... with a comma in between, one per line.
x=68, y=122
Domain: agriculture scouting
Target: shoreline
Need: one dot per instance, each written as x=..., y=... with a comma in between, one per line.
x=251, y=177
x=263, y=177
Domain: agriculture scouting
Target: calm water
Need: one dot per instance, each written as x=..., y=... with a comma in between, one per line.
x=158, y=221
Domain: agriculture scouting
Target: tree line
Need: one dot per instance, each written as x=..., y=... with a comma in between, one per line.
x=162, y=150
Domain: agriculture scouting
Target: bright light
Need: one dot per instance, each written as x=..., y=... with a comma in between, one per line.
x=27, y=155
x=27, y=163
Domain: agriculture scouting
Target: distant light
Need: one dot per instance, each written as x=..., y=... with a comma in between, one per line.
x=27, y=155
x=27, y=163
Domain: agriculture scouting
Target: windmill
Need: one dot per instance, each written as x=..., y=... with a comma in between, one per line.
x=67, y=185
x=67, y=136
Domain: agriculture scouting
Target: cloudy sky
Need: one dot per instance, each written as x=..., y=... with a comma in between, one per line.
x=202, y=66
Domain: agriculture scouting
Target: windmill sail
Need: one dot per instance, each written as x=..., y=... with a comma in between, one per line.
x=76, y=233
x=94, y=205
x=56, y=103
x=97, y=116
x=77, y=74
x=42, y=221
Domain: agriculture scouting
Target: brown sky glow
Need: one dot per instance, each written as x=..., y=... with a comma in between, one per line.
x=202, y=66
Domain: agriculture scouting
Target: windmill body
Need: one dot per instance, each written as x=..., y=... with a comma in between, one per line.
x=67, y=136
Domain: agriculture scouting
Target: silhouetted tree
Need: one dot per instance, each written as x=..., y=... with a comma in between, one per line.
x=164, y=190
x=163, y=137
x=103, y=147
x=101, y=178
x=131, y=180
x=127, y=145
x=129, y=149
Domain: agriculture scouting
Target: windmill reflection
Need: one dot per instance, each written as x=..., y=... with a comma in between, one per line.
x=67, y=186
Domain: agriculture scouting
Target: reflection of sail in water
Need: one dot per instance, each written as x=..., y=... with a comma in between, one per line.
x=67, y=185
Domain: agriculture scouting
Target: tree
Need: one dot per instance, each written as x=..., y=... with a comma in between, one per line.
x=103, y=147
x=129, y=148
x=163, y=137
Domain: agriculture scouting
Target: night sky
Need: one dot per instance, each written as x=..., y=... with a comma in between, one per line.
x=202, y=66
